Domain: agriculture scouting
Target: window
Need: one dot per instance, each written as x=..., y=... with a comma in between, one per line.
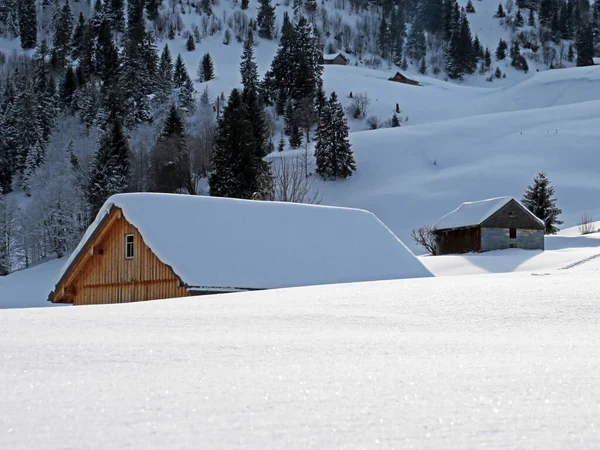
x=512, y=233
x=129, y=246
x=511, y=214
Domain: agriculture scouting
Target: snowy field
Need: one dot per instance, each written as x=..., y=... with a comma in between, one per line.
x=493, y=361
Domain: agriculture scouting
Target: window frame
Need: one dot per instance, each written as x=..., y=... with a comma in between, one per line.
x=127, y=244
x=510, y=233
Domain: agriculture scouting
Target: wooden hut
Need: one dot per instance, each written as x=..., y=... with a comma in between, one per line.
x=338, y=59
x=399, y=78
x=493, y=224
x=151, y=246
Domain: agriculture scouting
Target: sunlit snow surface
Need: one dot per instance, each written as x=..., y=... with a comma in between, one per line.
x=491, y=361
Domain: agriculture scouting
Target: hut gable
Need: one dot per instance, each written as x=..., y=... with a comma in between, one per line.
x=513, y=215
x=399, y=78
x=199, y=244
x=115, y=265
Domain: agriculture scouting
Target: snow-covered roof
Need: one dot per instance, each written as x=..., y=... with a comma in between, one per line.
x=474, y=213
x=330, y=56
x=221, y=243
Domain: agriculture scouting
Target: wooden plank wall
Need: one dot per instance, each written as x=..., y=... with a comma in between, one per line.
x=108, y=277
x=462, y=240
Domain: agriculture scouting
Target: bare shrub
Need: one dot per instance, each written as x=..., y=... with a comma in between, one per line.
x=373, y=122
x=290, y=184
x=359, y=107
x=586, y=224
x=425, y=237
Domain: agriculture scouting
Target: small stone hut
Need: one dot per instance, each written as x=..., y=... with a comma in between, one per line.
x=492, y=224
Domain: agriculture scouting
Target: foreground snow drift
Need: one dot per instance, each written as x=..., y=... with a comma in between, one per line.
x=501, y=361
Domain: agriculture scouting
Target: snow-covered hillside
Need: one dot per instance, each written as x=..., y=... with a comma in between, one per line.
x=466, y=144
x=498, y=361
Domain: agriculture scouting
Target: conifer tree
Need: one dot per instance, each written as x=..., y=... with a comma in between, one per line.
x=137, y=77
x=423, y=67
x=152, y=9
x=170, y=157
x=519, y=20
x=397, y=34
x=487, y=59
x=585, y=46
x=165, y=76
x=67, y=90
x=206, y=69
x=500, y=14
x=77, y=40
x=277, y=83
x=180, y=74
x=27, y=23
x=501, y=50
x=292, y=129
x=187, y=100
x=244, y=4
x=540, y=200
x=333, y=151
x=35, y=158
x=395, y=121
x=266, y=19
x=416, y=46
x=383, y=40
x=62, y=36
x=114, y=11
x=110, y=167
x=254, y=106
x=190, y=44
x=531, y=20
x=233, y=158
x=470, y=9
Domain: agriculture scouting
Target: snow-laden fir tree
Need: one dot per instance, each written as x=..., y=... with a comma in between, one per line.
x=333, y=151
x=266, y=19
x=34, y=160
x=206, y=71
x=186, y=97
x=416, y=46
x=180, y=73
x=397, y=33
x=540, y=200
x=27, y=23
x=111, y=164
x=256, y=112
x=77, y=40
x=190, y=45
x=67, y=90
x=62, y=37
x=170, y=157
x=500, y=14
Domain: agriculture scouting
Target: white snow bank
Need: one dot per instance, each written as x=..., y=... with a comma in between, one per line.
x=29, y=288
x=493, y=361
x=227, y=243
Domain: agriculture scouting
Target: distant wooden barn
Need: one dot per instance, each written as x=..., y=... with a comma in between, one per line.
x=151, y=246
x=338, y=59
x=493, y=224
x=399, y=78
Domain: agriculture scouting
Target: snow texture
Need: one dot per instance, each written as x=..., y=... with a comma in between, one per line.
x=492, y=361
x=474, y=213
x=214, y=242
